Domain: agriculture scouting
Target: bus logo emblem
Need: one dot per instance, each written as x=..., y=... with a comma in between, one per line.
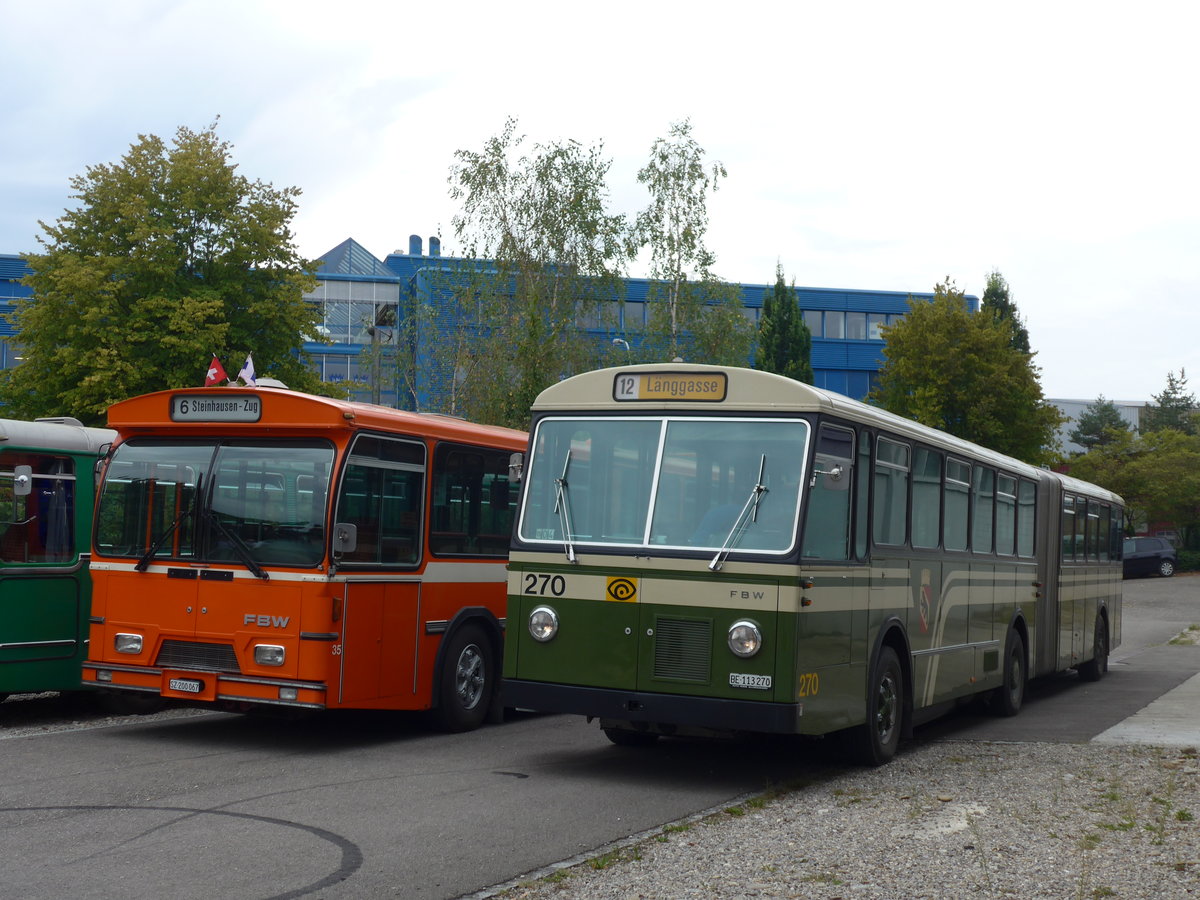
x=623, y=590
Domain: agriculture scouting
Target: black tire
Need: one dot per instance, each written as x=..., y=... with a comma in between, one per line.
x=625, y=737
x=1006, y=700
x=875, y=741
x=468, y=680
x=1166, y=568
x=1096, y=667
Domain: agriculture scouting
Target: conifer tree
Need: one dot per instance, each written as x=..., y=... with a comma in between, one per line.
x=784, y=341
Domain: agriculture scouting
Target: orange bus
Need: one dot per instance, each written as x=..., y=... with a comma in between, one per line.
x=259, y=547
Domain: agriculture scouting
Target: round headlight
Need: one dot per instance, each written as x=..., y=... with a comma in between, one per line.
x=543, y=624
x=744, y=638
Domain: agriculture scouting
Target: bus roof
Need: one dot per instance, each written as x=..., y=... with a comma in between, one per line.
x=284, y=411
x=54, y=434
x=764, y=393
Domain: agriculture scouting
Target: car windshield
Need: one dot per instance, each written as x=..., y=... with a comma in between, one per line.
x=668, y=483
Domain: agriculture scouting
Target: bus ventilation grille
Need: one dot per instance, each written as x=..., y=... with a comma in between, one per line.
x=683, y=650
x=191, y=655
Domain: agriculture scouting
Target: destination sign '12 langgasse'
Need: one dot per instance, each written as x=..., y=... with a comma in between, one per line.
x=708, y=387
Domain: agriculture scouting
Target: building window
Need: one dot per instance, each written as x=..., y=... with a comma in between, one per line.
x=633, y=315
x=875, y=325
x=856, y=326
x=812, y=318
x=835, y=324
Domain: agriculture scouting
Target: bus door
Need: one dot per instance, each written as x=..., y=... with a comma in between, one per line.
x=382, y=496
x=40, y=591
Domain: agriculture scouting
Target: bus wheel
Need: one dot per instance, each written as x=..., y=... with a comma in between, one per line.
x=1008, y=698
x=467, y=680
x=875, y=742
x=626, y=737
x=1094, y=668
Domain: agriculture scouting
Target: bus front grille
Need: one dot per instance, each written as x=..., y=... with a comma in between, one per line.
x=683, y=650
x=193, y=655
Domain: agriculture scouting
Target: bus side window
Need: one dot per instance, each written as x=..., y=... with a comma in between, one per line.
x=958, y=505
x=889, y=504
x=927, y=499
x=983, y=496
x=827, y=525
x=37, y=525
x=1026, y=517
x=473, y=502
x=1068, y=527
x=382, y=495
x=862, y=501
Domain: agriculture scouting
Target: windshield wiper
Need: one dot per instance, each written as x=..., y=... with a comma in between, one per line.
x=238, y=545
x=144, y=562
x=748, y=514
x=563, y=509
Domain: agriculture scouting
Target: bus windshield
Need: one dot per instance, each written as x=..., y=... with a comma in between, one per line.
x=684, y=483
x=216, y=502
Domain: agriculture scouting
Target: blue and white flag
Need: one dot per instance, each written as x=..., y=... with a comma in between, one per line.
x=247, y=373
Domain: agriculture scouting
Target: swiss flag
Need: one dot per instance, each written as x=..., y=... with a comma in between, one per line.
x=216, y=373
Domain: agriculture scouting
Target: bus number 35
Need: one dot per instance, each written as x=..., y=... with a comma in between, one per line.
x=541, y=585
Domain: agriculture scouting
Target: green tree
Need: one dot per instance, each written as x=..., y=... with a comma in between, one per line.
x=688, y=302
x=555, y=255
x=958, y=371
x=169, y=257
x=998, y=302
x=1098, y=425
x=1174, y=408
x=784, y=341
x=1157, y=474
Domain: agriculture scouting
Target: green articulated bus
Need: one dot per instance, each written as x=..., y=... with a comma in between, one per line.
x=705, y=550
x=47, y=494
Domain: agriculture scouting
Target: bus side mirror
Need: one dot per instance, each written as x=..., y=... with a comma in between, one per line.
x=22, y=480
x=516, y=465
x=345, y=538
x=834, y=478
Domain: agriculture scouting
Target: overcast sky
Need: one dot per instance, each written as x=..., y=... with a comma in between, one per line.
x=869, y=145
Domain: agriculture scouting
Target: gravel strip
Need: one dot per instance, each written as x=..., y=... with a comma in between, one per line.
x=25, y=714
x=945, y=820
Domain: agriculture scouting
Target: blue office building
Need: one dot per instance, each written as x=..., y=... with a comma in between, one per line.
x=362, y=298
x=12, y=270
x=356, y=288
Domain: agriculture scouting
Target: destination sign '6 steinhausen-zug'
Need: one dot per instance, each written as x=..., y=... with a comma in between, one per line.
x=216, y=408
